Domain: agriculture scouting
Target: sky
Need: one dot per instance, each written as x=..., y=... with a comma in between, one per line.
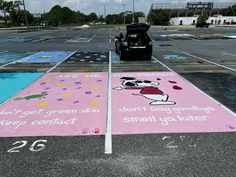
x=97, y=6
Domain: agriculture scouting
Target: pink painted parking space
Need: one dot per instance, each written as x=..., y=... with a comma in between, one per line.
x=163, y=102
x=58, y=104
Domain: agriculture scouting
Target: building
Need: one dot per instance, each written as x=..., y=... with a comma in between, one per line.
x=187, y=13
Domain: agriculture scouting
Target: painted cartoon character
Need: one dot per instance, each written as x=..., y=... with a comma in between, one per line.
x=32, y=97
x=148, y=89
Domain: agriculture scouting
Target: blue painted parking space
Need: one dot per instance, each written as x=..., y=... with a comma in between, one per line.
x=47, y=57
x=7, y=57
x=12, y=83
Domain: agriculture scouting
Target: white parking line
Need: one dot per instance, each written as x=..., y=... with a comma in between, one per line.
x=91, y=38
x=230, y=54
x=108, y=136
x=60, y=62
x=217, y=102
x=226, y=67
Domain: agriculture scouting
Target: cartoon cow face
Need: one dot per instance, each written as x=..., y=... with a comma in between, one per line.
x=132, y=82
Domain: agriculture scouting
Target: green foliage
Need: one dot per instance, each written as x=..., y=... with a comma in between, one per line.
x=18, y=17
x=159, y=17
x=202, y=18
x=119, y=18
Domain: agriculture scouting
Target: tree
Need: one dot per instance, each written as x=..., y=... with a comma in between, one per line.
x=202, y=18
x=55, y=16
x=18, y=17
x=92, y=17
x=159, y=17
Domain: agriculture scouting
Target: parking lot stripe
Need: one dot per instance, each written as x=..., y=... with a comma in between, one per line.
x=224, y=107
x=91, y=38
x=230, y=54
x=108, y=136
x=231, y=69
x=60, y=62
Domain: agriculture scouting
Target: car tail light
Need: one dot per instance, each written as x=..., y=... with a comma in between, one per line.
x=125, y=43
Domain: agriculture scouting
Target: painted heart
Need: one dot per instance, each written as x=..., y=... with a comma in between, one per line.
x=177, y=87
x=151, y=90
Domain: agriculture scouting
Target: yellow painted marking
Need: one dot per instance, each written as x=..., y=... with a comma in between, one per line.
x=67, y=94
x=94, y=102
x=43, y=104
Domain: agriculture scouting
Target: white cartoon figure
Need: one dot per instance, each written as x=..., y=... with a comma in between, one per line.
x=149, y=90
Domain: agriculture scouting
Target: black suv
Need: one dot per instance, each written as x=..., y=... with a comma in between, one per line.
x=136, y=44
x=202, y=25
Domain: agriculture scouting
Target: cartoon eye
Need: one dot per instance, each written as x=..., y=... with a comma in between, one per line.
x=130, y=84
x=147, y=82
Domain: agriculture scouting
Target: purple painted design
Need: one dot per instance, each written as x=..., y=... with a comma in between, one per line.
x=75, y=102
x=99, y=80
x=60, y=99
x=78, y=83
x=98, y=96
x=88, y=92
x=64, y=89
x=62, y=80
x=230, y=127
x=85, y=130
x=78, y=88
x=43, y=83
x=47, y=88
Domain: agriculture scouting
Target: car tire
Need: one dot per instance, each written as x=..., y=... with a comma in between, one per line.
x=122, y=56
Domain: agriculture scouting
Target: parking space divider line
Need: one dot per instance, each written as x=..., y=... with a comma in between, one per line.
x=108, y=136
x=230, y=54
x=60, y=62
x=188, y=82
x=234, y=70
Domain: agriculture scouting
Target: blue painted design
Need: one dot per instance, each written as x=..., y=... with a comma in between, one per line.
x=7, y=57
x=12, y=83
x=174, y=57
x=47, y=57
x=17, y=40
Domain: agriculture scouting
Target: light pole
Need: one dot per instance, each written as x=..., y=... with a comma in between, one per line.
x=124, y=12
x=26, y=20
x=133, y=11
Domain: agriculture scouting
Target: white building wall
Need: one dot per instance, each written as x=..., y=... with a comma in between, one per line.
x=219, y=20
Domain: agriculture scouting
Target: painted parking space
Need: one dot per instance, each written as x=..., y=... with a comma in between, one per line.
x=58, y=104
x=12, y=83
x=7, y=57
x=46, y=57
x=81, y=38
x=17, y=40
x=89, y=57
x=162, y=102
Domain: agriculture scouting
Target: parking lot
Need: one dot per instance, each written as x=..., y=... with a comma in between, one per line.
x=70, y=107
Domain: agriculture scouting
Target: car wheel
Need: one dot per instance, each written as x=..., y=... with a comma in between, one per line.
x=122, y=56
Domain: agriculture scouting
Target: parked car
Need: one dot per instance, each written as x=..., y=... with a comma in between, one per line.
x=136, y=44
x=202, y=25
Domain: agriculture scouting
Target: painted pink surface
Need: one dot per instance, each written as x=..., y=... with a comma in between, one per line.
x=58, y=104
x=140, y=106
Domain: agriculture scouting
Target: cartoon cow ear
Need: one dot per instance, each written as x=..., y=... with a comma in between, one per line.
x=128, y=78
